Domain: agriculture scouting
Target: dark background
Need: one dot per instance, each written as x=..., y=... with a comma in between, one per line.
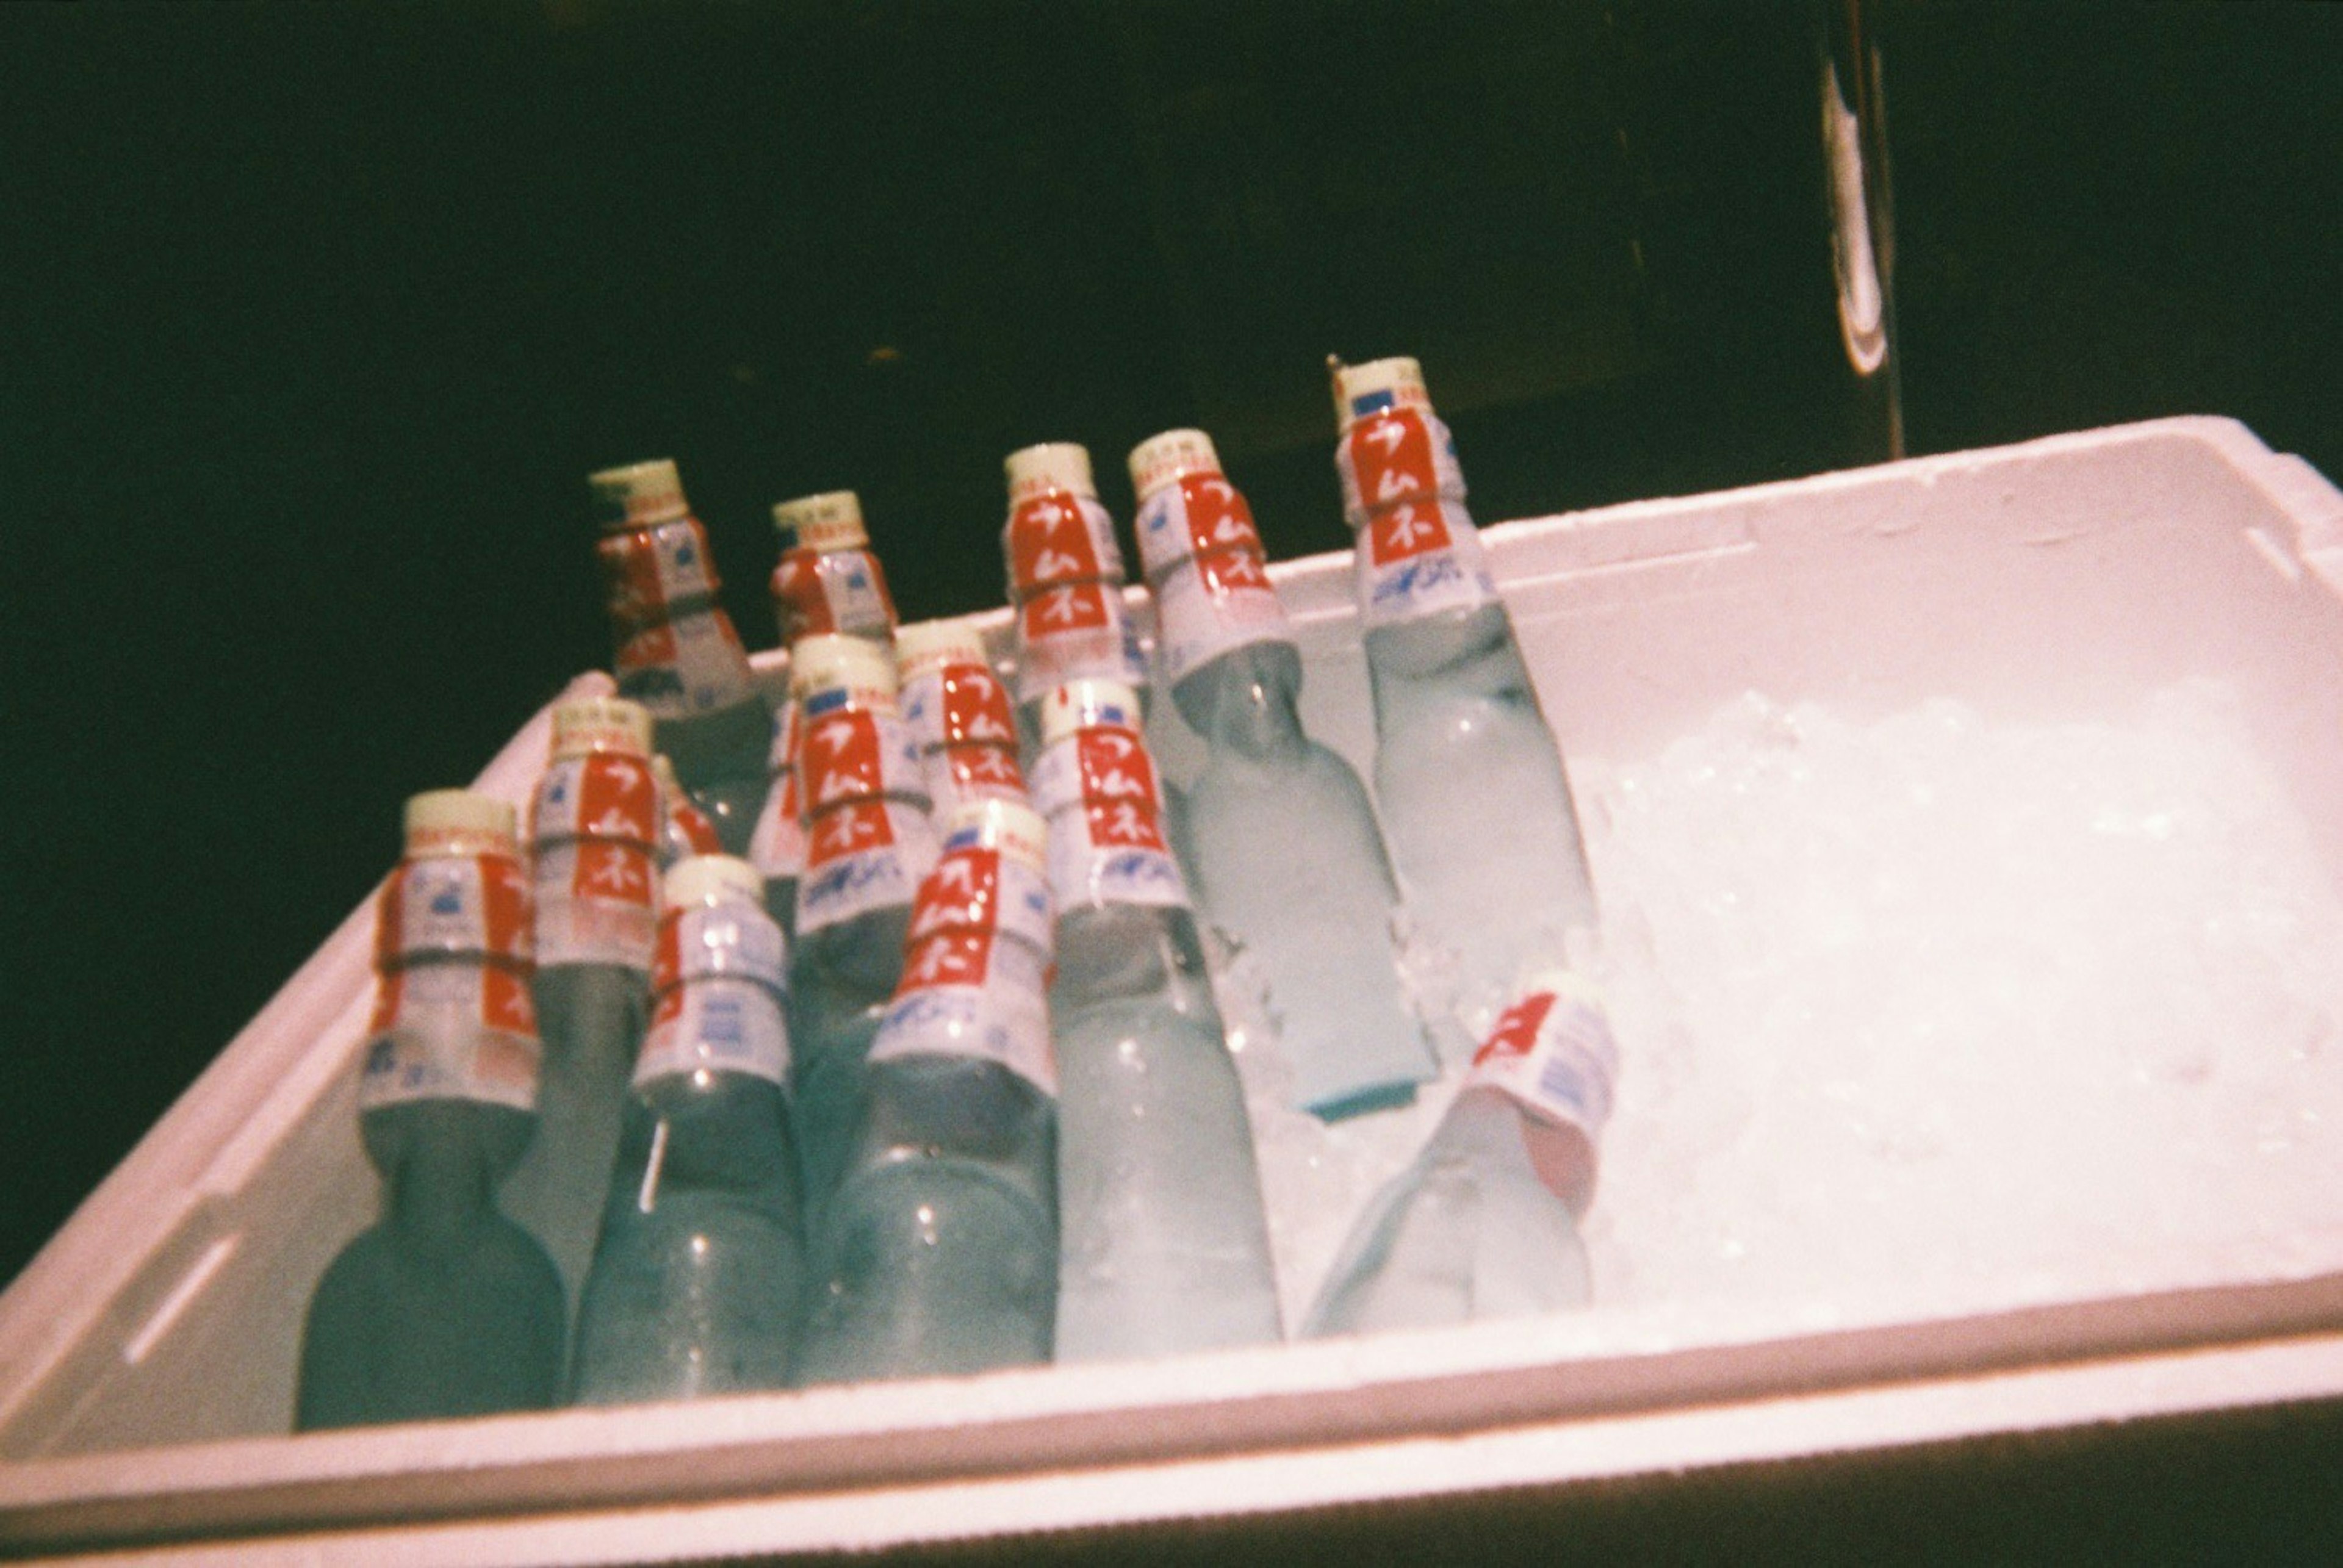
x=314, y=316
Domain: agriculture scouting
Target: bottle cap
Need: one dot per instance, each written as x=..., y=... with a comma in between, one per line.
x=1080, y=704
x=1053, y=465
x=830, y=521
x=1011, y=826
x=638, y=495
x=704, y=878
x=826, y=659
x=926, y=645
x=589, y=724
x=460, y=822
x=1159, y=460
x=1360, y=390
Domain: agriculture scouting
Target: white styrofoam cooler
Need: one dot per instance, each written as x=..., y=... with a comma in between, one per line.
x=146, y=1356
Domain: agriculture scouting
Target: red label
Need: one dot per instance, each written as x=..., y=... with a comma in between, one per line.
x=504, y=900
x=843, y=760
x=1050, y=542
x=1389, y=455
x=846, y=830
x=618, y=799
x=667, y=956
x=962, y=892
x=1410, y=529
x=505, y=1001
x=616, y=873
x=976, y=707
x=1218, y=516
x=1124, y=824
x=798, y=599
x=1079, y=608
x=698, y=834
x=1517, y=1030
x=630, y=576
x=947, y=958
x=386, y=993
x=651, y=649
x=984, y=767
x=1115, y=767
x=1233, y=571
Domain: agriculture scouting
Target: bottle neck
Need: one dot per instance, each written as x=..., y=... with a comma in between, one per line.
x=440, y=1185
x=1243, y=704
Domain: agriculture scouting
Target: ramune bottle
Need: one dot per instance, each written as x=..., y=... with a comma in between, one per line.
x=697, y=1278
x=939, y=1252
x=1162, y=1244
x=444, y=1306
x=593, y=823
x=959, y=716
x=869, y=843
x=1484, y=1224
x=677, y=654
x=778, y=847
x=1461, y=747
x=829, y=580
x=1065, y=579
x=1283, y=843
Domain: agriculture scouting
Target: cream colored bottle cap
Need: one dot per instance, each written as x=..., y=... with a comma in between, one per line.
x=926, y=645
x=1080, y=704
x=1052, y=466
x=638, y=494
x=1159, y=460
x=830, y=521
x=1011, y=826
x=589, y=724
x=1398, y=382
x=460, y=822
x=705, y=878
x=827, y=660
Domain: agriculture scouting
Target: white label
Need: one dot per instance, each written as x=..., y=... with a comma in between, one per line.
x=445, y=904
x=691, y=665
x=1078, y=633
x=451, y=1031
x=733, y=937
x=972, y=994
x=1208, y=604
x=1552, y=1052
x=863, y=857
x=1419, y=558
x=728, y=1024
x=776, y=846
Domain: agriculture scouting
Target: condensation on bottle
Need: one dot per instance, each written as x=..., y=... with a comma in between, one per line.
x=1484, y=1223
x=676, y=650
x=939, y=1252
x=444, y=1306
x=1475, y=807
x=699, y=1271
x=1282, y=841
x=1162, y=1244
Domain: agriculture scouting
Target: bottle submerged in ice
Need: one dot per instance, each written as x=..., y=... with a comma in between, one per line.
x=1282, y=839
x=593, y=824
x=869, y=843
x=1484, y=1223
x=444, y=1306
x=1461, y=745
x=939, y=1252
x=1162, y=1246
x=697, y=1279
x=676, y=652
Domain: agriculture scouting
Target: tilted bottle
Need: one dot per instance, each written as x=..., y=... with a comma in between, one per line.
x=939, y=1252
x=1461, y=745
x=1065, y=579
x=444, y=1306
x=1283, y=844
x=1162, y=1246
x=1484, y=1224
x=829, y=580
x=959, y=716
x=869, y=843
x=698, y=1276
x=676, y=651
x=594, y=823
